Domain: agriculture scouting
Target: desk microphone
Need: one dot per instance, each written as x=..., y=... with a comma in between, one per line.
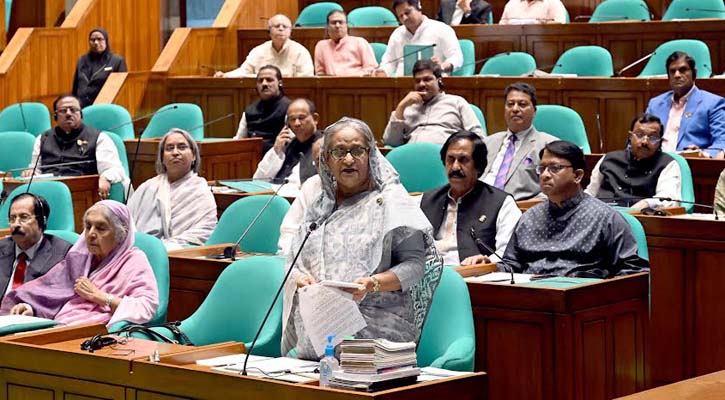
x=410, y=53
x=230, y=252
x=705, y=10
x=215, y=120
x=122, y=124
x=714, y=210
x=50, y=165
x=637, y=62
x=480, y=244
x=482, y=60
x=311, y=229
x=22, y=116
x=606, y=17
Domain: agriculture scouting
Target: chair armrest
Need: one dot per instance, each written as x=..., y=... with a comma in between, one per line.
x=458, y=357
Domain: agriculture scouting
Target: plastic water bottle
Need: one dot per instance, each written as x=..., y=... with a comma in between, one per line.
x=328, y=364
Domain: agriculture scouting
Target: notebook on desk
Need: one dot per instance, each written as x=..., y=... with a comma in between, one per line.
x=10, y=324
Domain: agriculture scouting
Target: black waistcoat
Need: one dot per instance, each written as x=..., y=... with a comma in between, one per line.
x=265, y=119
x=298, y=153
x=57, y=147
x=626, y=180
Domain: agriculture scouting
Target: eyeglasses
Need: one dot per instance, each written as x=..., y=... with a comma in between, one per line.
x=169, y=148
x=553, y=168
x=650, y=138
x=72, y=110
x=339, y=153
x=22, y=218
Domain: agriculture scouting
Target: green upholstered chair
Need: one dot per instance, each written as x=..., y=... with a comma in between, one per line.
x=8, y=10
x=448, y=339
x=186, y=116
x=117, y=192
x=263, y=236
x=371, y=16
x=697, y=49
x=236, y=305
x=315, y=15
x=480, y=117
x=469, y=59
x=621, y=10
x=69, y=236
x=156, y=253
x=59, y=199
x=106, y=116
x=379, y=49
x=564, y=123
x=638, y=232
x=687, y=189
x=16, y=150
x=419, y=165
x=25, y=117
x=509, y=64
x=585, y=61
x=694, y=9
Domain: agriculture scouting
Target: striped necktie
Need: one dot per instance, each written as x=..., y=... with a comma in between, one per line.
x=508, y=158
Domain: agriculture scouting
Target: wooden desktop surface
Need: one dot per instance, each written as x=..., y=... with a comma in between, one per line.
x=220, y=159
x=705, y=387
x=583, y=342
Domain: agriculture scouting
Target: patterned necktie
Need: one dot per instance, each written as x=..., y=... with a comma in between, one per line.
x=508, y=157
x=19, y=276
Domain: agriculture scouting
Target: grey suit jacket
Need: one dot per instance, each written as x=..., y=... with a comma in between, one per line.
x=522, y=181
x=52, y=250
x=479, y=12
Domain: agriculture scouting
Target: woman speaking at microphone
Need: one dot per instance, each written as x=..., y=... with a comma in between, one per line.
x=369, y=233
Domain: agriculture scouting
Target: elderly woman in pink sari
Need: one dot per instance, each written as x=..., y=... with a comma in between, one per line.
x=103, y=278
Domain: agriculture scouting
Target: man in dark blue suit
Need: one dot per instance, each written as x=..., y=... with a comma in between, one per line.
x=694, y=119
x=28, y=253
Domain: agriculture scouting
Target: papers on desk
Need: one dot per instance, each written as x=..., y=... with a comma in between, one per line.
x=35, y=177
x=500, y=277
x=12, y=320
x=248, y=186
x=229, y=360
x=281, y=368
x=700, y=216
x=428, y=374
x=328, y=311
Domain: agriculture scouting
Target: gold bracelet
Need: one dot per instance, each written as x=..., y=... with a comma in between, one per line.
x=376, y=283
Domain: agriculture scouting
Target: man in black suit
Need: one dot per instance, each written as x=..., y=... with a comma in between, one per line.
x=28, y=253
x=459, y=12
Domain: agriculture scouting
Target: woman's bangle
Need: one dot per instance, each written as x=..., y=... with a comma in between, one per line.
x=109, y=300
x=376, y=283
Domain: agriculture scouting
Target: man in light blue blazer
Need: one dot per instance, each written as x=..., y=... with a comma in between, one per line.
x=694, y=119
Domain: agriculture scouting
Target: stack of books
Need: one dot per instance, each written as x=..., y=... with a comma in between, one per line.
x=375, y=364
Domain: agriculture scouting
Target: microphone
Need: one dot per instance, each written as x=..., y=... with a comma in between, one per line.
x=22, y=116
x=311, y=229
x=204, y=125
x=410, y=53
x=606, y=17
x=705, y=10
x=637, y=62
x=483, y=60
x=49, y=165
x=480, y=244
x=138, y=143
x=32, y=174
x=599, y=133
x=231, y=252
x=714, y=210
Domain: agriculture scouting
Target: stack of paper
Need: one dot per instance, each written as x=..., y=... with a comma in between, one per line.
x=373, y=364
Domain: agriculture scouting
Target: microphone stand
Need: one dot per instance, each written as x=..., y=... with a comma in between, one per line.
x=480, y=244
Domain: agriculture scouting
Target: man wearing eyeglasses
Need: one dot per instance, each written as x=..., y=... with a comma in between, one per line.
x=290, y=57
x=75, y=149
x=28, y=252
x=571, y=233
x=637, y=176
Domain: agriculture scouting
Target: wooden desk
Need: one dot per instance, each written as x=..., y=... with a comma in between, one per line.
x=4, y=232
x=582, y=342
x=687, y=320
x=220, y=159
x=50, y=365
x=706, y=387
x=83, y=192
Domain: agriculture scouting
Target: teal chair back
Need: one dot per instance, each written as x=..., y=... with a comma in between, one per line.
x=509, y=64
x=687, y=188
x=8, y=9
x=186, y=116
x=585, y=61
x=697, y=49
x=481, y=118
x=371, y=16
x=379, y=49
x=621, y=10
x=419, y=165
x=448, y=339
x=117, y=192
x=106, y=116
x=694, y=9
x=159, y=259
x=263, y=236
x=315, y=15
x=469, y=59
x=236, y=305
x=16, y=150
x=25, y=117
x=58, y=196
x=69, y=236
x=564, y=123
x=638, y=232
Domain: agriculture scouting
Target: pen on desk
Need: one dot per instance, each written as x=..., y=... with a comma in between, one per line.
x=540, y=277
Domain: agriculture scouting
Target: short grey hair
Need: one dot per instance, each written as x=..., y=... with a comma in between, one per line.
x=195, y=165
x=120, y=229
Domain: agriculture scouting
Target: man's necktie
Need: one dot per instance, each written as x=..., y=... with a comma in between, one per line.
x=508, y=157
x=19, y=276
